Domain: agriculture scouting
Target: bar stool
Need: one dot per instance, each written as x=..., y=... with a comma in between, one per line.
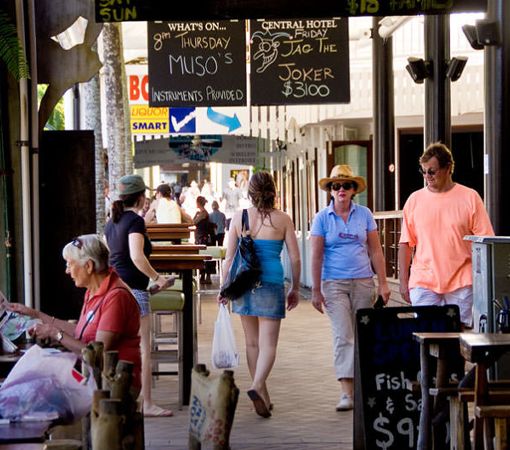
x=166, y=345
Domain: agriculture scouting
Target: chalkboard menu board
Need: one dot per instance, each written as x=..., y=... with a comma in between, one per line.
x=304, y=61
x=387, y=413
x=197, y=63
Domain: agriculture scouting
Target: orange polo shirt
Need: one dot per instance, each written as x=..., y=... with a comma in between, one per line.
x=435, y=223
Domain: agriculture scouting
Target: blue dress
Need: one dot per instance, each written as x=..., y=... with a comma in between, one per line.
x=268, y=299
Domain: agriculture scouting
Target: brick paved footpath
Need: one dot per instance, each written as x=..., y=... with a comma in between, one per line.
x=302, y=387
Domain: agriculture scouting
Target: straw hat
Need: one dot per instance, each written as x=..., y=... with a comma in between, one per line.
x=343, y=172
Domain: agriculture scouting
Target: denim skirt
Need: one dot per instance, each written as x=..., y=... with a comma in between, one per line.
x=266, y=300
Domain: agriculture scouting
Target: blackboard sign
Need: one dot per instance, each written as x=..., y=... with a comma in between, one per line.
x=387, y=413
x=304, y=61
x=197, y=63
x=151, y=10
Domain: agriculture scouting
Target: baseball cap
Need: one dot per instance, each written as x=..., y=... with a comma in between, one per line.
x=131, y=184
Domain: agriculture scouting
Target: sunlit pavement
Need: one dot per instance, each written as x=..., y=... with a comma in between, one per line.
x=302, y=386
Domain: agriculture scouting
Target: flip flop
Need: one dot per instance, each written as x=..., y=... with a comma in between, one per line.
x=259, y=404
x=157, y=411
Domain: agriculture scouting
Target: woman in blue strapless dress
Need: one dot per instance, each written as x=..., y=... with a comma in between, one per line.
x=262, y=308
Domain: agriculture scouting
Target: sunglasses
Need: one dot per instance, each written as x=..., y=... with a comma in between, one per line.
x=347, y=185
x=430, y=172
x=77, y=242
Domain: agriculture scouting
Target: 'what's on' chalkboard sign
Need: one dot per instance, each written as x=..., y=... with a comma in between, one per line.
x=387, y=412
x=197, y=63
x=299, y=61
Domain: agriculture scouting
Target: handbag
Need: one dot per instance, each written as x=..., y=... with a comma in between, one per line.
x=245, y=271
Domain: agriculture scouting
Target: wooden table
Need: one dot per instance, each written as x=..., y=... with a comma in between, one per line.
x=184, y=263
x=168, y=247
x=169, y=231
x=24, y=432
x=483, y=350
x=7, y=362
x=444, y=347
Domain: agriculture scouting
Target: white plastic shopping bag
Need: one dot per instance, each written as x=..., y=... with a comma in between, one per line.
x=44, y=384
x=224, y=350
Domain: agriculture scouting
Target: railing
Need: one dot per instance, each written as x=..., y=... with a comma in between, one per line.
x=388, y=224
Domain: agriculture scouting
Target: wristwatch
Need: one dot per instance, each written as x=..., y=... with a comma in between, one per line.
x=60, y=336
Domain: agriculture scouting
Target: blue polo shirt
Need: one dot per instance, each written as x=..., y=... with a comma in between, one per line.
x=345, y=244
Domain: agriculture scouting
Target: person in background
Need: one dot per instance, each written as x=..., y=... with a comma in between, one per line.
x=262, y=308
x=219, y=220
x=130, y=247
x=143, y=212
x=231, y=195
x=435, y=220
x=345, y=248
x=109, y=314
x=165, y=209
x=203, y=235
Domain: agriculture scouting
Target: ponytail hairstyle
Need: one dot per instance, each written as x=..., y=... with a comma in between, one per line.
x=262, y=192
x=126, y=201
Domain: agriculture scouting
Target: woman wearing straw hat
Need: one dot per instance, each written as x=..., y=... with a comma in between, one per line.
x=345, y=253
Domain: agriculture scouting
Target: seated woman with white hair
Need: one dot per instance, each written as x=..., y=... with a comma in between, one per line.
x=110, y=313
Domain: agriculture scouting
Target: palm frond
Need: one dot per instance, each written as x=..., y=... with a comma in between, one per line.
x=11, y=52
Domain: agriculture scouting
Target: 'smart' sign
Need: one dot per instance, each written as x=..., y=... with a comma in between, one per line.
x=147, y=120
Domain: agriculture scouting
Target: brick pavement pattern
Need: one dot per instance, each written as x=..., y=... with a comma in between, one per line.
x=302, y=386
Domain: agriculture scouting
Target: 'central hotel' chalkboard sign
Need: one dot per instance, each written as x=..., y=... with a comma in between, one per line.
x=197, y=63
x=303, y=61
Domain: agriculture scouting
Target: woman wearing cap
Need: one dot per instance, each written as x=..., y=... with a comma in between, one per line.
x=345, y=248
x=109, y=314
x=130, y=247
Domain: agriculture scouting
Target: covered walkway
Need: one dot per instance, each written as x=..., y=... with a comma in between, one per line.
x=302, y=387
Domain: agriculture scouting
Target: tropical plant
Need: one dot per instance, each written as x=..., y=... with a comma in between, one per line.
x=56, y=121
x=11, y=51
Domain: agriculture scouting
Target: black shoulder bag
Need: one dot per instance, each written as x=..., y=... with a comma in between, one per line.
x=245, y=271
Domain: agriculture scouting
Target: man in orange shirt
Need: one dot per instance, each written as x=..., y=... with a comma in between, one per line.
x=436, y=219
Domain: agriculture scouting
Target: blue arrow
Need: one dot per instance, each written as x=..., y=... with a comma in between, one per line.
x=231, y=122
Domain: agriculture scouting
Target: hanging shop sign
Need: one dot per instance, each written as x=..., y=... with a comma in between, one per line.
x=227, y=149
x=303, y=61
x=151, y=10
x=197, y=63
x=147, y=120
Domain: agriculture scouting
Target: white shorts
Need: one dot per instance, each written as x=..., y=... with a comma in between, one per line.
x=462, y=297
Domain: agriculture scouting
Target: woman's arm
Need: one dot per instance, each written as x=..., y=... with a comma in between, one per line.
x=136, y=242
x=233, y=236
x=57, y=335
x=377, y=258
x=59, y=324
x=317, y=261
x=295, y=264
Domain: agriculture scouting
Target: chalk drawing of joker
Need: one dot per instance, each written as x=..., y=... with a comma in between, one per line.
x=267, y=47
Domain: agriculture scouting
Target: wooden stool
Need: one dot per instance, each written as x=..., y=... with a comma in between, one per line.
x=501, y=416
x=167, y=303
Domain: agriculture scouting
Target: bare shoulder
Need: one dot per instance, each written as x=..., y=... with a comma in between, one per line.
x=281, y=216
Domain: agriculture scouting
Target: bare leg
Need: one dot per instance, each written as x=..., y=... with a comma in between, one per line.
x=149, y=407
x=261, y=335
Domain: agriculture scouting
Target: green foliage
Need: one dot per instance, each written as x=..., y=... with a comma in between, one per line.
x=11, y=52
x=56, y=120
